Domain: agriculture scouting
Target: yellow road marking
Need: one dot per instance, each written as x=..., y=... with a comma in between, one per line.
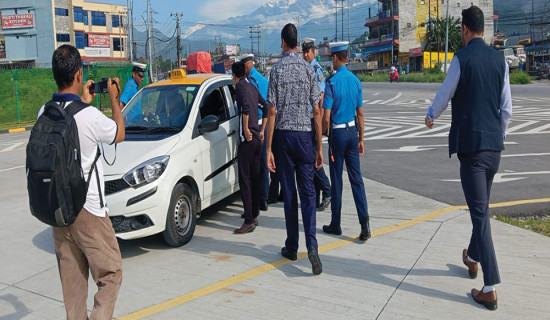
x=17, y=130
x=283, y=261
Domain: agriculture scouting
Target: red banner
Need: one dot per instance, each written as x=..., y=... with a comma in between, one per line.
x=99, y=40
x=18, y=21
x=415, y=52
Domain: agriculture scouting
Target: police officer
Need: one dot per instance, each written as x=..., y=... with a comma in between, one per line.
x=260, y=82
x=343, y=105
x=130, y=90
x=322, y=184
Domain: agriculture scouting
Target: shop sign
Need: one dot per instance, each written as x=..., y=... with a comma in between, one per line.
x=415, y=52
x=97, y=52
x=18, y=21
x=99, y=40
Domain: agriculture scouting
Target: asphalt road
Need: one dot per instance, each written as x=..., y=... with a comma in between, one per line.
x=402, y=152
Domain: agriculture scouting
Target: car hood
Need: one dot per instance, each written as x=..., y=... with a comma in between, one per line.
x=130, y=154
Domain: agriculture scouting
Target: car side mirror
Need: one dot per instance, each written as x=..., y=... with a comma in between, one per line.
x=210, y=123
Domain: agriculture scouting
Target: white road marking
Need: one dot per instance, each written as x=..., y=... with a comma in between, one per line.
x=519, y=126
x=375, y=94
x=13, y=146
x=8, y=169
x=394, y=98
x=525, y=155
x=500, y=177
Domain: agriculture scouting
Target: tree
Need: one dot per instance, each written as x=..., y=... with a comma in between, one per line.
x=437, y=26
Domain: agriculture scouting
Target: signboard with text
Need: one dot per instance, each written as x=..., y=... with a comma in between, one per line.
x=436, y=57
x=99, y=40
x=15, y=21
x=97, y=52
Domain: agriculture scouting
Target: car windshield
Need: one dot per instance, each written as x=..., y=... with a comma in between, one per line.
x=159, y=107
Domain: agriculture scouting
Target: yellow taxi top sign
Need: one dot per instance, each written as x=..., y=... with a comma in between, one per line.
x=177, y=74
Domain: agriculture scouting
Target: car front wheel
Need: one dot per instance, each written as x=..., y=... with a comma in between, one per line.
x=182, y=216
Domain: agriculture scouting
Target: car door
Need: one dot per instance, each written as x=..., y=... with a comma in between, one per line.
x=218, y=148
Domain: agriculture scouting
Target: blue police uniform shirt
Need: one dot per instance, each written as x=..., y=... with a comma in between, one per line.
x=343, y=95
x=130, y=90
x=319, y=76
x=260, y=82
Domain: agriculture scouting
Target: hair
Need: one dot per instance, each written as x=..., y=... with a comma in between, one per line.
x=290, y=35
x=473, y=19
x=238, y=69
x=66, y=62
x=341, y=55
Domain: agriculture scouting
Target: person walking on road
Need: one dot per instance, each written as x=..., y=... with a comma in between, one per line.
x=292, y=90
x=322, y=184
x=89, y=244
x=478, y=86
x=343, y=105
x=260, y=82
x=249, y=154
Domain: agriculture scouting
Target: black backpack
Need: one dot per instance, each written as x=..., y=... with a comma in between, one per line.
x=55, y=180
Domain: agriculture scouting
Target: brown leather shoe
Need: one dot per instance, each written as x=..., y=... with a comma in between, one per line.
x=472, y=266
x=489, y=299
x=245, y=228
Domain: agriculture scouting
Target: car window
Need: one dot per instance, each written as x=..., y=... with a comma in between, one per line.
x=161, y=106
x=214, y=103
x=233, y=99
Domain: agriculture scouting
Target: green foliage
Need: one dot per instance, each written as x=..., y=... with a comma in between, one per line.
x=519, y=77
x=36, y=86
x=435, y=34
x=536, y=224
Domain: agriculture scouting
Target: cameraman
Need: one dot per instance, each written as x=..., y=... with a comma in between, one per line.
x=130, y=90
x=89, y=244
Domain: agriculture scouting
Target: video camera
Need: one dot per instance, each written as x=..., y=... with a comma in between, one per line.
x=101, y=86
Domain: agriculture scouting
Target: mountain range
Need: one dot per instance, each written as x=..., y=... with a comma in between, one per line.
x=316, y=19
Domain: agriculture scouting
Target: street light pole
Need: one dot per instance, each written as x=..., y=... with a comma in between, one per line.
x=446, y=36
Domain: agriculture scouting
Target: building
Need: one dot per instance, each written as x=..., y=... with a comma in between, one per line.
x=32, y=29
x=401, y=39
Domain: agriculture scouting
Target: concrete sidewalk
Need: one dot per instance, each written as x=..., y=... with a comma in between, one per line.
x=410, y=269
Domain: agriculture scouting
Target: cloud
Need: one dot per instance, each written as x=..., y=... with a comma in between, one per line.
x=217, y=10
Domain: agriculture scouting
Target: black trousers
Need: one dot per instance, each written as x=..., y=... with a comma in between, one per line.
x=248, y=158
x=477, y=171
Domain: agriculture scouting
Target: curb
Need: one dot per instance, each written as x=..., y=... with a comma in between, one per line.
x=16, y=130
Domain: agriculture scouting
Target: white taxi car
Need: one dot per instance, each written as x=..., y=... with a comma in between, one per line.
x=179, y=156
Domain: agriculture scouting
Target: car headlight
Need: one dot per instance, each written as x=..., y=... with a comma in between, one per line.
x=146, y=172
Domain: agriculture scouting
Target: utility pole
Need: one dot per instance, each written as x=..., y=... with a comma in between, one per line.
x=299, y=32
x=130, y=26
x=438, y=43
x=255, y=36
x=392, y=35
x=178, y=49
x=149, y=39
x=430, y=31
x=336, y=15
x=446, y=35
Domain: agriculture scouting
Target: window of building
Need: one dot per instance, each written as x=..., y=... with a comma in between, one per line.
x=117, y=20
x=98, y=18
x=61, y=12
x=85, y=16
x=80, y=39
x=77, y=14
x=63, y=37
x=118, y=44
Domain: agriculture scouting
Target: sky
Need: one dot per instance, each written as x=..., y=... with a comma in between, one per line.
x=193, y=10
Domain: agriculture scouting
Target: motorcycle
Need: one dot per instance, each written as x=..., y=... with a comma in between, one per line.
x=394, y=76
x=543, y=72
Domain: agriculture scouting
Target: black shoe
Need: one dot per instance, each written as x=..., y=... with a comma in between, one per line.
x=365, y=230
x=332, y=229
x=324, y=204
x=256, y=222
x=289, y=255
x=263, y=205
x=271, y=201
x=316, y=265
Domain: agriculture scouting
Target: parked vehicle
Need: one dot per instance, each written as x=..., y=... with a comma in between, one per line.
x=394, y=75
x=542, y=72
x=511, y=59
x=177, y=160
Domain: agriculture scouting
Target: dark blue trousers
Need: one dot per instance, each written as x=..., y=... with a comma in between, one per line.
x=344, y=145
x=274, y=176
x=477, y=171
x=295, y=164
x=248, y=161
x=320, y=179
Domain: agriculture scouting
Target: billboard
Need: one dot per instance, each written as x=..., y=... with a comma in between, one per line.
x=231, y=49
x=436, y=57
x=97, y=52
x=99, y=40
x=18, y=21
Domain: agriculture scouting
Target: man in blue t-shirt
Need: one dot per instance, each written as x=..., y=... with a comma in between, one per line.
x=130, y=90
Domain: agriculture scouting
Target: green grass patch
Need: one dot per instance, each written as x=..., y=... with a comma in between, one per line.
x=537, y=224
x=519, y=77
x=434, y=76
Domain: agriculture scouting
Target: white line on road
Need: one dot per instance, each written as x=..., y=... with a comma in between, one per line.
x=525, y=155
x=13, y=146
x=375, y=94
x=390, y=100
x=519, y=126
x=8, y=169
